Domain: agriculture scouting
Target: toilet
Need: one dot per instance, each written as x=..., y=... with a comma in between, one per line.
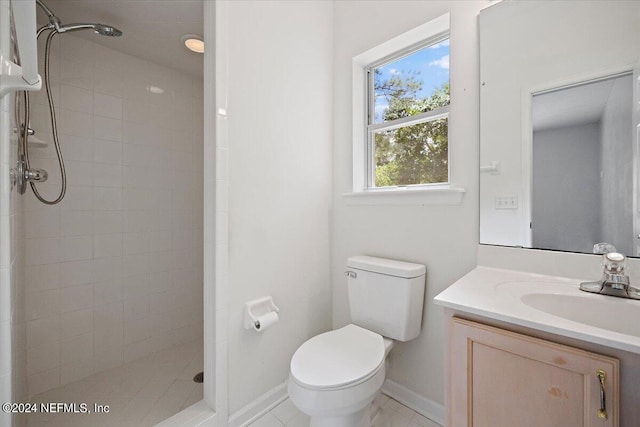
x=335, y=376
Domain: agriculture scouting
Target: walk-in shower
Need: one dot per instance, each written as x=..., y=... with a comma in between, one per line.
x=105, y=299
x=24, y=173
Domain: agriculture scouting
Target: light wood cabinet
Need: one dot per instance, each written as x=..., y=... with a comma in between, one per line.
x=504, y=379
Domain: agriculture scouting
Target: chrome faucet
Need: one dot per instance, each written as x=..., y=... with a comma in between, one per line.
x=613, y=282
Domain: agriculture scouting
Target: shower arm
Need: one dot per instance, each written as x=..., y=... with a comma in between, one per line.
x=54, y=21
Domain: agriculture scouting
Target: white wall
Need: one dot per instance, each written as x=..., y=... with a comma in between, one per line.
x=279, y=138
x=566, y=188
x=616, y=200
x=444, y=238
x=12, y=326
x=114, y=272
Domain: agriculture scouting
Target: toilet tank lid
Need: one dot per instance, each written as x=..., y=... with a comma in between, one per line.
x=386, y=266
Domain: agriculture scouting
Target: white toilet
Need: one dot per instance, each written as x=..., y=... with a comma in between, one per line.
x=335, y=376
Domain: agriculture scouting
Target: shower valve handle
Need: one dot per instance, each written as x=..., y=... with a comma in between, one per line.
x=36, y=175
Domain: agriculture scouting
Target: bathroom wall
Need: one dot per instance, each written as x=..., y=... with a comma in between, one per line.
x=12, y=325
x=114, y=272
x=279, y=168
x=444, y=238
x=564, y=212
x=616, y=187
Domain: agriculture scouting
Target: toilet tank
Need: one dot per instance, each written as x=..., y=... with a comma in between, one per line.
x=386, y=296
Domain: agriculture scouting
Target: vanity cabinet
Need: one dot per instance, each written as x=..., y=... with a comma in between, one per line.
x=500, y=378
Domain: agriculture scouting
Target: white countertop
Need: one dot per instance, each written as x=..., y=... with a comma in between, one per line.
x=501, y=294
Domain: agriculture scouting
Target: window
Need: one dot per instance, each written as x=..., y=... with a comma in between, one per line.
x=408, y=117
x=401, y=118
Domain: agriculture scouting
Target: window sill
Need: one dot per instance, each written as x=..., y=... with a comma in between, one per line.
x=400, y=196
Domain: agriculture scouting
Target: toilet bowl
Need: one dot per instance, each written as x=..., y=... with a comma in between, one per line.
x=336, y=376
x=340, y=396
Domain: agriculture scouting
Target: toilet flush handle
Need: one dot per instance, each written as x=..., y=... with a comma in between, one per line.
x=351, y=274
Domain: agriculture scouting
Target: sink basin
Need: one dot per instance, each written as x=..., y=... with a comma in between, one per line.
x=610, y=313
x=546, y=303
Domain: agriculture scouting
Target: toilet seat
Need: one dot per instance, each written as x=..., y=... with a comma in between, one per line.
x=338, y=359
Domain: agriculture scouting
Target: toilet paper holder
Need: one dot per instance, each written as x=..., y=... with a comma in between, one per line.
x=257, y=308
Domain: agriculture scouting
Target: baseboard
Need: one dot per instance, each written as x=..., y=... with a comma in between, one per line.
x=260, y=406
x=430, y=409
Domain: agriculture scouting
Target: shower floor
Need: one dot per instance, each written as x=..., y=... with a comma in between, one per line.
x=140, y=393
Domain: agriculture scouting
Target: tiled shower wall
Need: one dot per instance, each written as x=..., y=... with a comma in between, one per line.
x=114, y=272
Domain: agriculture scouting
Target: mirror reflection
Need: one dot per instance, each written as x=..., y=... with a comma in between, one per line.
x=559, y=165
x=582, y=166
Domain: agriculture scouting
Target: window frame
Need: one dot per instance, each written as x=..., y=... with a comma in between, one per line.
x=426, y=117
x=428, y=34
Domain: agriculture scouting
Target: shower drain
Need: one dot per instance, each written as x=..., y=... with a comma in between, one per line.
x=199, y=378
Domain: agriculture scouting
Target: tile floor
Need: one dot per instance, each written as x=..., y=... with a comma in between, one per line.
x=286, y=414
x=141, y=393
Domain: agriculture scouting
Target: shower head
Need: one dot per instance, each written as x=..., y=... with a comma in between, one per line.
x=102, y=29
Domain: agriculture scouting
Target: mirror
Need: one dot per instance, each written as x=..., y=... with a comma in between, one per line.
x=559, y=160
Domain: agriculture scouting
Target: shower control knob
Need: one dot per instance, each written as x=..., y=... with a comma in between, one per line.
x=36, y=175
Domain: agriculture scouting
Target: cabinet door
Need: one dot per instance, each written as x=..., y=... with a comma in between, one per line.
x=503, y=379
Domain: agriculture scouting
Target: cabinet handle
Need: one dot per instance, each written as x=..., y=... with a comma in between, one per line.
x=602, y=412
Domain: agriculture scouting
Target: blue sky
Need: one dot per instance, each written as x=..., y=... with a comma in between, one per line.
x=433, y=65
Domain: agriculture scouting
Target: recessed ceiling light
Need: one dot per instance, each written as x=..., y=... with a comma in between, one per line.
x=193, y=42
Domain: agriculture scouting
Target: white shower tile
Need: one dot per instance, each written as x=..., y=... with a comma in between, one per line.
x=105, y=222
x=136, y=111
x=108, y=359
x=136, y=315
x=108, y=292
x=108, y=245
x=108, y=319
x=107, y=268
x=136, y=199
x=76, y=370
x=76, y=73
x=76, y=272
x=136, y=286
x=107, y=151
x=136, y=177
x=160, y=282
x=79, y=173
x=76, y=99
x=160, y=241
x=43, y=381
x=76, y=248
x=107, y=128
x=43, y=331
x=42, y=277
x=137, y=155
x=136, y=221
x=76, y=223
x=73, y=147
x=75, y=123
x=76, y=323
x=74, y=298
x=136, y=243
x=135, y=350
x=107, y=199
x=107, y=82
x=108, y=338
x=72, y=48
x=77, y=349
x=42, y=251
x=43, y=357
x=107, y=106
x=77, y=198
x=136, y=264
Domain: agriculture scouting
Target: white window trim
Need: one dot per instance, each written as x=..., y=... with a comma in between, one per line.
x=419, y=194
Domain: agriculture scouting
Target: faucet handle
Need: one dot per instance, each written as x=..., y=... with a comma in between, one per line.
x=613, y=263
